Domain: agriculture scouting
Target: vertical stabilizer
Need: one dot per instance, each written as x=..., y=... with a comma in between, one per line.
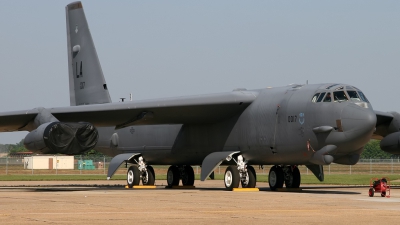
x=86, y=80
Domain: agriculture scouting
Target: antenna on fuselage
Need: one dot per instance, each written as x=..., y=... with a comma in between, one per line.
x=306, y=81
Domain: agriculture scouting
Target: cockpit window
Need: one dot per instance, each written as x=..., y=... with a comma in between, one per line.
x=315, y=97
x=362, y=96
x=339, y=96
x=321, y=96
x=353, y=95
x=328, y=97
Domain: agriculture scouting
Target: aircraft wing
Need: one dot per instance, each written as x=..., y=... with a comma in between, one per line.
x=181, y=110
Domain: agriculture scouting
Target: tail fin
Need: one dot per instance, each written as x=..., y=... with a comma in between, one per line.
x=86, y=80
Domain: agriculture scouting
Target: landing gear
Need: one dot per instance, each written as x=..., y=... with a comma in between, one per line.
x=187, y=176
x=148, y=177
x=184, y=173
x=133, y=176
x=275, y=178
x=173, y=176
x=231, y=178
x=140, y=172
x=245, y=174
x=288, y=175
x=292, y=176
x=250, y=179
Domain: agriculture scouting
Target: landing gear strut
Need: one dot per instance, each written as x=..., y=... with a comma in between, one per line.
x=177, y=173
x=140, y=172
x=245, y=174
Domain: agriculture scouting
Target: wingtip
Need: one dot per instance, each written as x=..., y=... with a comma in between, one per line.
x=74, y=5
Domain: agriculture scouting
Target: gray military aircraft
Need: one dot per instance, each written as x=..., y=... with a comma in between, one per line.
x=311, y=125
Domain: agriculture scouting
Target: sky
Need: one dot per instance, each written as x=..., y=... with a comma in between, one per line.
x=156, y=49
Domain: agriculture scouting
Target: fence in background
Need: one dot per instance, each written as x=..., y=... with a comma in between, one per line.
x=99, y=165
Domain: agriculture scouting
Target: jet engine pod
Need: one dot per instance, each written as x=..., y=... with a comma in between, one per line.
x=391, y=143
x=63, y=138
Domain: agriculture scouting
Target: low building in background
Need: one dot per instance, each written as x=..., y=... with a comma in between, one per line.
x=45, y=162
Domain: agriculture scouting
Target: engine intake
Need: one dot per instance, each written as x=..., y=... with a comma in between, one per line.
x=63, y=138
x=391, y=143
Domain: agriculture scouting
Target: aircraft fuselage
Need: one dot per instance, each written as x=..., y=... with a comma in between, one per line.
x=282, y=126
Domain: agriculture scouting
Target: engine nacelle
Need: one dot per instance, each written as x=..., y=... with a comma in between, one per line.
x=63, y=138
x=391, y=143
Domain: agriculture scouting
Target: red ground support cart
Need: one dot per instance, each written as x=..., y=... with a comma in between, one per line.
x=379, y=185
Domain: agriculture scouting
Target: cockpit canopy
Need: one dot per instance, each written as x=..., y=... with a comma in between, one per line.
x=339, y=94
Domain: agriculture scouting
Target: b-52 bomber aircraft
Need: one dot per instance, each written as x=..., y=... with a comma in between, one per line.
x=311, y=125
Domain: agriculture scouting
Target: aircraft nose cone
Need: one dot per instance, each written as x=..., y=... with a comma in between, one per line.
x=358, y=122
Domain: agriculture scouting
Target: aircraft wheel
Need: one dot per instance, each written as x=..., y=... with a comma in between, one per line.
x=371, y=192
x=133, y=176
x=383, y=194
x=293, y=180
x=188, y=177
x=275, y=178
x=251, y=178
x=173, y=176
x=231, y=178
x=150, y=176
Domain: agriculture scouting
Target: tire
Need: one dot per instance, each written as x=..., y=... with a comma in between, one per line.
x=173, y=176
x=231, y=178
x=295, y=178
x=133, y=176
x=188, y=178
x=252, y=178
x=275, y=178
x=150, y=176
x=371, y=192
x=383, y=194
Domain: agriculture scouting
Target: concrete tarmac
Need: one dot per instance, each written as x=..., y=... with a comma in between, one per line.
x=108, y=202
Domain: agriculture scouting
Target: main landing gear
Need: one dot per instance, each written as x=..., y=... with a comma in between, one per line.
x=141, y=172
x=177, y=173
x=288, y=175
x=241, y=173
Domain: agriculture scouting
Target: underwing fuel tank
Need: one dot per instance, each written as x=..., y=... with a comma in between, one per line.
x=63, y=138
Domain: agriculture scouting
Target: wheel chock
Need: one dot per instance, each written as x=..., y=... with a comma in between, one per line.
x=141, y=187
x=246, y=189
